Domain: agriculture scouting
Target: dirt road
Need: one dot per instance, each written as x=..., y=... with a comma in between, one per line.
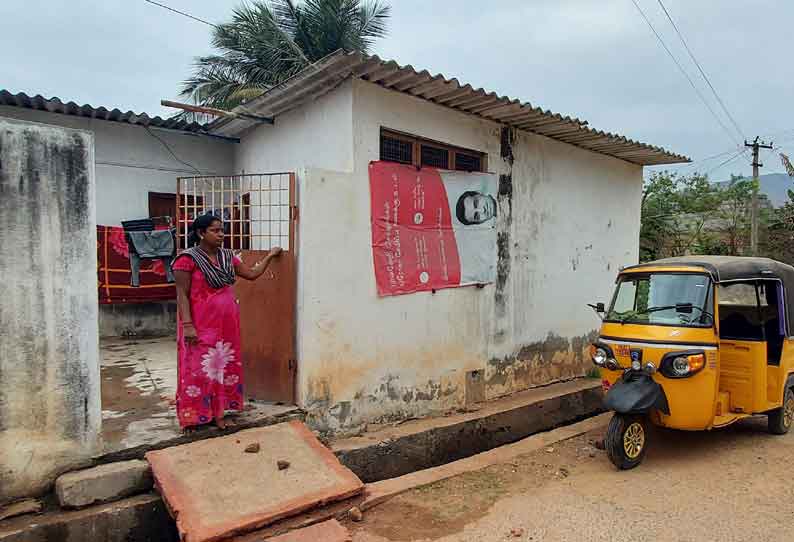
x=735, y=484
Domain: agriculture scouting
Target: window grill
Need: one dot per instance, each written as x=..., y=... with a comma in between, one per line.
x=256, y=210
x=435, y=157
x=467, y=162
x=396, y=150
x=408, y=149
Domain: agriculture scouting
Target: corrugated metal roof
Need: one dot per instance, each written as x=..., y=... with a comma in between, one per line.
x=329, y=72
x=55, y=105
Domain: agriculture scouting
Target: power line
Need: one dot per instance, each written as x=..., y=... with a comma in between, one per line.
x=700, y=69
x=683, y=71
x=726, y=162
x=709, y=158
x=188, y=15
x=168, y=148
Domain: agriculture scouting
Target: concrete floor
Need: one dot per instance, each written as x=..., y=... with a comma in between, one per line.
x=138, y=390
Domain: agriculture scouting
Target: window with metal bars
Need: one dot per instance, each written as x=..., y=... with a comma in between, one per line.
x=396, y=150
x=409, y=149
x=467, y=162
x=435, y=157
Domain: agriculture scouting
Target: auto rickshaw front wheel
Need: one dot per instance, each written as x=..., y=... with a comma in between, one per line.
x=626, y=440
x=779, y=420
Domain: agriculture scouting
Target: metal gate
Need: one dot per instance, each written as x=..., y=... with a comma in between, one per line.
x=258, y=212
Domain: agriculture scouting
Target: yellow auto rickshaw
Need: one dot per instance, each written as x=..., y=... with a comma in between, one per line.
x=695, y=343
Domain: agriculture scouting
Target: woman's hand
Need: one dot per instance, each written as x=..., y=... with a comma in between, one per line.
x=256, y=270
x=189, y=333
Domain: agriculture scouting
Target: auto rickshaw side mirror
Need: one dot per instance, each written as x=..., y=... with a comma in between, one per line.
x=598, y=308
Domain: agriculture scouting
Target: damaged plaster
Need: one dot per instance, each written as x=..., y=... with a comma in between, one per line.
x=544, y=362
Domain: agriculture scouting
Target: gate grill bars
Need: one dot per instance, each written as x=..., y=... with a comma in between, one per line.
x=256, y=209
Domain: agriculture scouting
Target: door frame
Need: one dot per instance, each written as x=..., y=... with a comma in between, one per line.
x=291, y=251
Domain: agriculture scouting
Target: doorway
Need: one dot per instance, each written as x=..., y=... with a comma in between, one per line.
x=259, y=212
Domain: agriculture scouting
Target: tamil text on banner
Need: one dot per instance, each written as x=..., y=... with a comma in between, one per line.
x=431, y=228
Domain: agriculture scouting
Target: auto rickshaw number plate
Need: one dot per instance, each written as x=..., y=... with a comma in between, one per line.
x=623, y=351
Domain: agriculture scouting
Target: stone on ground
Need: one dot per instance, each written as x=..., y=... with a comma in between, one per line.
x=28, y=506
x=104, y=483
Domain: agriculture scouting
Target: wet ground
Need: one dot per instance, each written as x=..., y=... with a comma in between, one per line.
x=138, y=390
x=731, y=484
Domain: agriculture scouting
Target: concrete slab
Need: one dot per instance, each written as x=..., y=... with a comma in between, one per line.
x=328, y=531
x=104, y=483
x=392, y=451
x=215, y=489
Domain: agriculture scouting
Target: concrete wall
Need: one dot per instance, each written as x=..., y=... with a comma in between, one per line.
x=138, y=319
x=130, y=162
x=568, y=220
x=49, y=366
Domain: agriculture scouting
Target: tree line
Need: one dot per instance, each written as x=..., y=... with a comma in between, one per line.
x=689, y=215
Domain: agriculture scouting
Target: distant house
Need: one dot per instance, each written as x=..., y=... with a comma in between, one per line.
x=558, y=215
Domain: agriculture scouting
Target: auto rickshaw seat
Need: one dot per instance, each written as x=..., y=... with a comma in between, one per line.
x=736, y=322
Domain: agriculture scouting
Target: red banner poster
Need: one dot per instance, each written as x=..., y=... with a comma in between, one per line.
x=431, y=229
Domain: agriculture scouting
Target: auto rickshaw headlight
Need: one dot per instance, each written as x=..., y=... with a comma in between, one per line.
x=636, y=365
x=680, y=366
x=612, y=364
x=650, y=368
x=683, y=364
x=599, y=355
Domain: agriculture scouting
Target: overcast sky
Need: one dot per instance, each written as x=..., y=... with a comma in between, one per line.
x=593, y=59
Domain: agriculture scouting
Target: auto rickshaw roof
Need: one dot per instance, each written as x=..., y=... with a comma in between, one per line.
x=729, y=268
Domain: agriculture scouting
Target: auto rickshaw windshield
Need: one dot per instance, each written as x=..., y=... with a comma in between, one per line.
x=663, y=299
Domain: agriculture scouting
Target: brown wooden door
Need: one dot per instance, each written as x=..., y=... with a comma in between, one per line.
x=260, y=213
x=267, y=328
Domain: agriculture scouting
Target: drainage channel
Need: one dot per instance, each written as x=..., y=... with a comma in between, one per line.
x=427, y=443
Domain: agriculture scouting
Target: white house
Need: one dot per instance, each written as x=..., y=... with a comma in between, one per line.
x=567, y=218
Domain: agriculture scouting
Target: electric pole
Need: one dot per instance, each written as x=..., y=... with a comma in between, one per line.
x=754, y=207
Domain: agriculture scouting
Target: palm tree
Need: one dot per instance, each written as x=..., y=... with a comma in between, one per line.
x=267, y=42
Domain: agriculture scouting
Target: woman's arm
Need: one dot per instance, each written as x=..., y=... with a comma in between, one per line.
x=255, y=271
x=183, y=281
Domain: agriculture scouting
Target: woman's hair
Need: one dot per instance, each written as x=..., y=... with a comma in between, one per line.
x=200, y=225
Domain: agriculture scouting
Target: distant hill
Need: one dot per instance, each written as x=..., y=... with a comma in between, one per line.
x=775, y=186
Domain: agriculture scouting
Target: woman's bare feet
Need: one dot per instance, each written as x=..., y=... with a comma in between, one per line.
x=221, y=423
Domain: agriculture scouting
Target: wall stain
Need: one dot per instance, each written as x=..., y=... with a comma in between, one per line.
x=395, y=402
x=554, y=359
x=505, y=201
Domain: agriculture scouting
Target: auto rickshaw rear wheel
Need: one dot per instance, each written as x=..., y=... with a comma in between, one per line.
x=626, y=440
x=779, y=420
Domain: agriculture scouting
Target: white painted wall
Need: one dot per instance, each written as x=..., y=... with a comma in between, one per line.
x=575, y=220
x=49, y=360
x=319, y=134
x=130, y=162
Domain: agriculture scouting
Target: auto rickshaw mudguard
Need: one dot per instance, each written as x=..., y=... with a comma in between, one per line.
x=636, y=393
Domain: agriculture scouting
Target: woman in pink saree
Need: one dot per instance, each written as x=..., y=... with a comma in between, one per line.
x=209, y=368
